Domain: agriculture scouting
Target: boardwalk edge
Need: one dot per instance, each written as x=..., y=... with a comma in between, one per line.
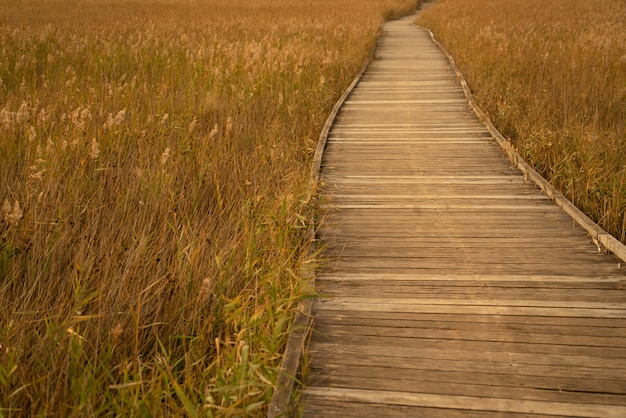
x=287, y=376
x=601, y=238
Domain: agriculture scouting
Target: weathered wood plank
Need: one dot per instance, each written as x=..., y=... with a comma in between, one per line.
x=513, y=329
x=317, y=407
x=489, y=376
x=478, y=278
x=412, y=259
x=486, y=232
x=472, y=389
x=469, y=403
x=367, y=341
x=499, y=217
x=571, y=287
x=510, y=335
x=563, y=294
x=336, y=266
x=479, y=319
x=566, y=307
x=419, y=354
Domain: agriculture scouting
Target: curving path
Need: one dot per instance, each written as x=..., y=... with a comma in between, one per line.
x=454, y=286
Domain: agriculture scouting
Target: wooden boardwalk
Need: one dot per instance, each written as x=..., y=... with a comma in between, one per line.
x=454, y=287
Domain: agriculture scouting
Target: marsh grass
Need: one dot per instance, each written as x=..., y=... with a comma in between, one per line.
x=154, y=197
x=552, y=77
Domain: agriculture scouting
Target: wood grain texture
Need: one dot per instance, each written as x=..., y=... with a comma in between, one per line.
x=452, y=285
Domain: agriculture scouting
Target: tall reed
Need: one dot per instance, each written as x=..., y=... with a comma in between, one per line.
x=154, y=160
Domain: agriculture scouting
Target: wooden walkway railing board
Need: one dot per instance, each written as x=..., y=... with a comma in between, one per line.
x=454, y=287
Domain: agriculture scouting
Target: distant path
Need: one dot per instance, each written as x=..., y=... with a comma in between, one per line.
x=455, y=287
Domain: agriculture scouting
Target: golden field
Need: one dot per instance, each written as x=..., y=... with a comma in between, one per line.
x=154, y=168
x=551, y=75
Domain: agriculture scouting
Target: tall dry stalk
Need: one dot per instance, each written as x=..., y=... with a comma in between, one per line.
x=154, y=159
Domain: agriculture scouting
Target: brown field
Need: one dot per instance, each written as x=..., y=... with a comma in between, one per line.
x=552, y=77
x=154, y=166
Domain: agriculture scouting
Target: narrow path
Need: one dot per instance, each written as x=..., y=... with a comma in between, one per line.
x=454, y=287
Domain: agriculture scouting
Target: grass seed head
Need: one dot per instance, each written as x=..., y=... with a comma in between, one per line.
x=165, y=156
x=94, y=153
x=192, y=125
x=229, y=125
x=12, y=214
x=213, y=132
x=32, y=133
x=116, y=333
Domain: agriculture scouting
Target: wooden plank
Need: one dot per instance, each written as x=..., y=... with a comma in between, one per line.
x=361, y=102
x=510, y=378
x=404, y=191
x=469, y=403
x=460, y=268
x=316, y=407
x=475, y=234
x=475, y=346
x=423, y=217
x=467, y=326
x=477, y=278
x=444, y=307
x=608, y=288
x=496, y=217
x=425, y=180
x=507, y=335
x=485, y=264
x=563, y=294
x=471, y=389
x=524, y=372
x=611, y=288
x=422, y=221
x=465, y=265
x=497, y=244
x=437, y=205
x=475, y=230
x=410, y=300
x=397, y=226
x=458, y=196
x=354, y=409
x=454, y=211
x=479, y=320
x=399, y=123
x=433, y=356
x=557, y=254
x=409, y=259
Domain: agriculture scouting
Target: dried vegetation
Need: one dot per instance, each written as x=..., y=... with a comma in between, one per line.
x=154, y=160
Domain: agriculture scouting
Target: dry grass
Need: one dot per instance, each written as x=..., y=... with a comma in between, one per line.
x=552, y=77
x=154, y=160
